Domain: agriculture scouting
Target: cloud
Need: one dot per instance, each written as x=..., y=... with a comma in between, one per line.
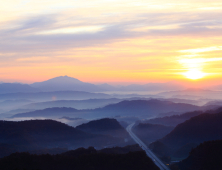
x=33, y=59
x=201, y=50
x=48, y=35
x=28, y=36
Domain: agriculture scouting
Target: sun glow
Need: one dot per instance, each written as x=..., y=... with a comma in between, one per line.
x=194, y=74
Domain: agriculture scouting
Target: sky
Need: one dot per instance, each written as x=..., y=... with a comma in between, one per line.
x=113, y=41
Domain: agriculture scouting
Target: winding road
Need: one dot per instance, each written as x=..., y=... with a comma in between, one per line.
x=149, y=153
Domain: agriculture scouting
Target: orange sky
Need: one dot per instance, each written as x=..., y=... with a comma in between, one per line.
x=111, y=41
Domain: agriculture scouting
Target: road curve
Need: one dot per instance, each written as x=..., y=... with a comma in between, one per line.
x=149, y=153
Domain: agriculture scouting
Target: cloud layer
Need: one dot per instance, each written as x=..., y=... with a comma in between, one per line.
x=113, y=40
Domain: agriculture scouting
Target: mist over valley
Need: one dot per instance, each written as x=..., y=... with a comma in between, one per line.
x=59, y=116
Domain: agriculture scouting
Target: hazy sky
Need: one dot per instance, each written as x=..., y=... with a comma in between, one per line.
x=111, y=40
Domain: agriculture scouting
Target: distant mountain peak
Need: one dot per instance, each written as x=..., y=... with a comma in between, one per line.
x=65, y=78
x=62, y=83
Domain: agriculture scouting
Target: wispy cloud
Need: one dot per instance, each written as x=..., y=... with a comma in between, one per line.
x=103, y=35
x=201, y=50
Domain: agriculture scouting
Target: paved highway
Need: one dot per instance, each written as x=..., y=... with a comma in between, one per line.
x=149, y=153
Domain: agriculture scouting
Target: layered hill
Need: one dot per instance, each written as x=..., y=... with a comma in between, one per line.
x=214, y=102
x=173, y=120
x=55, y=112
x=192, y=132
x=11, y=104
x=16, y=87
x=56, y=95
x=193, y=93
x=139, y=108
x=80, y=159
x=142, y=108
x=35, y=134
x=152, y=87
x=205, y=156
x=105, y=126
x=151, y=132
x=77, y=104
x=195, y=130
x=177, y=119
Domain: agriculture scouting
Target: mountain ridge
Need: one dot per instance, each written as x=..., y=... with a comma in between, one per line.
x=147, y=108
x=38, y=134
x=64, y=83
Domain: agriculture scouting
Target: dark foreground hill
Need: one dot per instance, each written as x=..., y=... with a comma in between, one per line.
x=39, y=134
x=195, y=130
x=151, y=132
x=104, y=126
x=107, y=126
x=80, y=159
x=206, y=156
x=192, y=132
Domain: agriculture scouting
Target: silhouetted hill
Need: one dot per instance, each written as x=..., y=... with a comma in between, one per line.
x=55, y=112
x=56, y=95
x=152, y=87
x=214, y=102
x=113, y=150
x=151, y=132
x=34, y=134
x=173, y=120
x=184, y=150
x=142, y=108
x=7, y=114
x=177, y=119
x=105, y=126
x=206, y=156
x=11, y=104
x=65, y=83
x=191, y=93
x=72, y=121
x=144, y=87
x=77, y=104
x=16, y=87
x=126, y=119
x=178, y=100
x=161, y=150
x=195, y=130
x=139, y=108
x=107, y=87
x=81, y=159
x=218, y=110
x=192, y=132
x=51, y=151
x=123, y=123
x=121, y=150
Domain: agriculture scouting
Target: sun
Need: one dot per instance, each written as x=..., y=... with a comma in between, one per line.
x=194, y=74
